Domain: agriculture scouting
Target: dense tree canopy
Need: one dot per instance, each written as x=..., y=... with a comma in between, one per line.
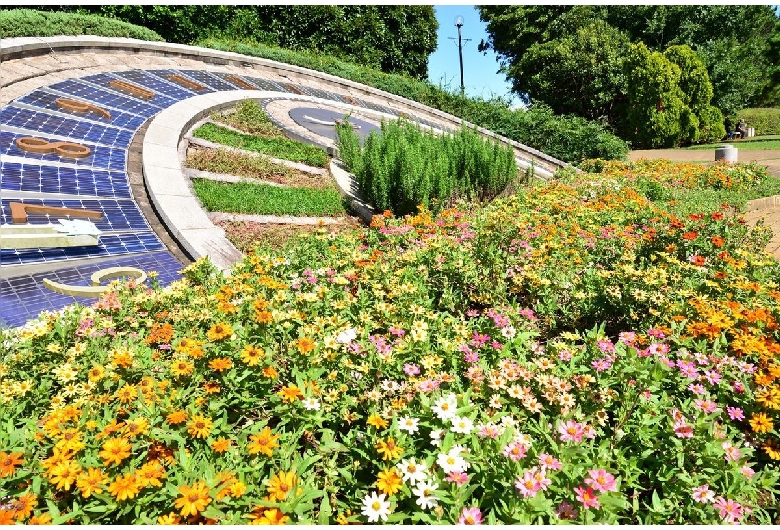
x=738, y=45
x=395, y=39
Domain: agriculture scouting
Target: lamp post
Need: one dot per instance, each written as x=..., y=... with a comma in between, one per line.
x=459, y=24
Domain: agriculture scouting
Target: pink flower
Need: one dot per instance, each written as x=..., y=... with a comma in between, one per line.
x=587, y=497
x=549, y=462
x=747, y=471
x=683, y=430
x=627, y=337
x=735, y=413
x=514, y=450
x=706, y=405
x=471, y=515
x=571, y=431
x=601, y=480
x=696, y=389
x=657, y=333
x=729, y=510
x=411, y=369
x=712, y=377
x=458, y=477
x=732, y=453
x=565, y=355
x=528, y=484
x=703, y=494
x=606, y=346
x=601, y=365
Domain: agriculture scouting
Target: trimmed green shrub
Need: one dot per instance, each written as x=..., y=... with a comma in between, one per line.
x=28, y=23
x=405, y=167
x=765, y=121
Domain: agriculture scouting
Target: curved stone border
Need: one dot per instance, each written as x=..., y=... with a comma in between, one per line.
x=169, y=187
x=33, y=46
x=763, y=204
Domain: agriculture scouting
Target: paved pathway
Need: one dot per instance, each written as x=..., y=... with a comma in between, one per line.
x=767, y=209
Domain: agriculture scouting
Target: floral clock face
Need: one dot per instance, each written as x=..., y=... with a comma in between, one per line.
x=322, y=122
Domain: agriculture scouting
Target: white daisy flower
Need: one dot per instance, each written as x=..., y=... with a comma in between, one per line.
x=462, y=425
x=436, y=437
x=424, y=492
x=375, y=507
x=312, y=404
x=446, y=406
x=451, y=461
x=408, y=424
x=412, y=471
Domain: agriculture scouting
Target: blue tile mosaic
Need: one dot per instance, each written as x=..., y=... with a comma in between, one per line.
x=109, y=246
x=168, y=89
x=24, y=297
x=117, y=214
x=100, y=157
x=103, y=81
x=106, y=98
x=78, y=130
x=174, y=77
x=48, y=101
x=267, y=84
x=209, y=79
x=235, y=84
x=56, y=179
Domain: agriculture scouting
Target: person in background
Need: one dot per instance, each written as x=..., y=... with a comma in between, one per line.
x=742, y=129
x=729, y=130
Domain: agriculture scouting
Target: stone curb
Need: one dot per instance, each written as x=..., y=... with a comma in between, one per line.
x=31, y=46
x=763, y=204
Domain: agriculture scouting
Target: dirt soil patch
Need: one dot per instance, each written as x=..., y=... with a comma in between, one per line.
x=245, y=235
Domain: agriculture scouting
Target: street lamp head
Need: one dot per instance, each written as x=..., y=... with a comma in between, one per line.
x=459, y=21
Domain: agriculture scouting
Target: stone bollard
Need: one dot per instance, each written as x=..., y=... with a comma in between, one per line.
x=726, y=152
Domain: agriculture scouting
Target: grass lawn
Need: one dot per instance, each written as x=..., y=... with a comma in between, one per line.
x=276, y=147
x=267, y=200
x=753, y=144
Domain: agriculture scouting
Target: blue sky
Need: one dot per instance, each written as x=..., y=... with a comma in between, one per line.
x=479, y=71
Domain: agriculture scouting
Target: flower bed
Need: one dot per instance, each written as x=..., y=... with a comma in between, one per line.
x=571, y=353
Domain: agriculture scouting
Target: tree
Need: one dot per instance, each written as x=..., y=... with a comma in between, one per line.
x=394, y=39
x=732, y=41
x=580, y=74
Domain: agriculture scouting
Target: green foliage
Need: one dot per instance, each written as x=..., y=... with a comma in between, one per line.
x=250, y=198
x=277, y=147
x=739, y=44
x=389, y=38
x=404, y=168
x=765, y=121
x=568, y=138
x=579, y=74
x=250, y=117
x=28, y=22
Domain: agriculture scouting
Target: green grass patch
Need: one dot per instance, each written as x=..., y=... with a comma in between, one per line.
x=276, y=147
x=224, y=161
x=682, y=202
x=756, y=143
x=267, y=200
x=28, y=22
x=250, y=118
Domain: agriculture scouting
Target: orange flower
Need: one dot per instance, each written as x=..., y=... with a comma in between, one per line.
x=290, y=393
x=270, y=372
x=377, y=421
x=181, y=368
x=150, y=474
x=263, y=442
x=194, y=499
x=272, y=516
x=690, y=236
x=127, y=393
x=169, y=519
x=177, y=416
x=252, y=355
x=125, y=487
x=64, y=474
x=305, y=345
x=6, y=517
x=199, y=427
x=264, y=317
x=718, y=241
x=699, y=261
x=115, y=450
x=389, y=449
x=761, y=423
x=91, y=481
x=220, y=364
x=219, y=331
x=42, y=519
x=280, y=485
x=8, y=463
x=221, y=445
x=23, y=506
x=136, y=426
x=211, y=387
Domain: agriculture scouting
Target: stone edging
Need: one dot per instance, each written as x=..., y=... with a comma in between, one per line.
x=763, y=204
x=170, y=189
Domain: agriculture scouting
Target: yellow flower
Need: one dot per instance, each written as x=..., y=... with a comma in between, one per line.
x=377, y=421
x=64, y=474
x=252, y=355
x=169, y=519
x=761, y=423
x=125, y=487
x=389, y=449
x=280, y=485
x=270, y=516
x=181, y=368
x=199, y=426
x=305, y=345
x=194, y=499
x=290, y=393
x=219, y=331
x=388, y=481
x=136, y=426
x=265, y=442
x=150, y=474
x=221, y=445
x=114, y=450
x=96, y=373
x=91, y=481
x=220, y=364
